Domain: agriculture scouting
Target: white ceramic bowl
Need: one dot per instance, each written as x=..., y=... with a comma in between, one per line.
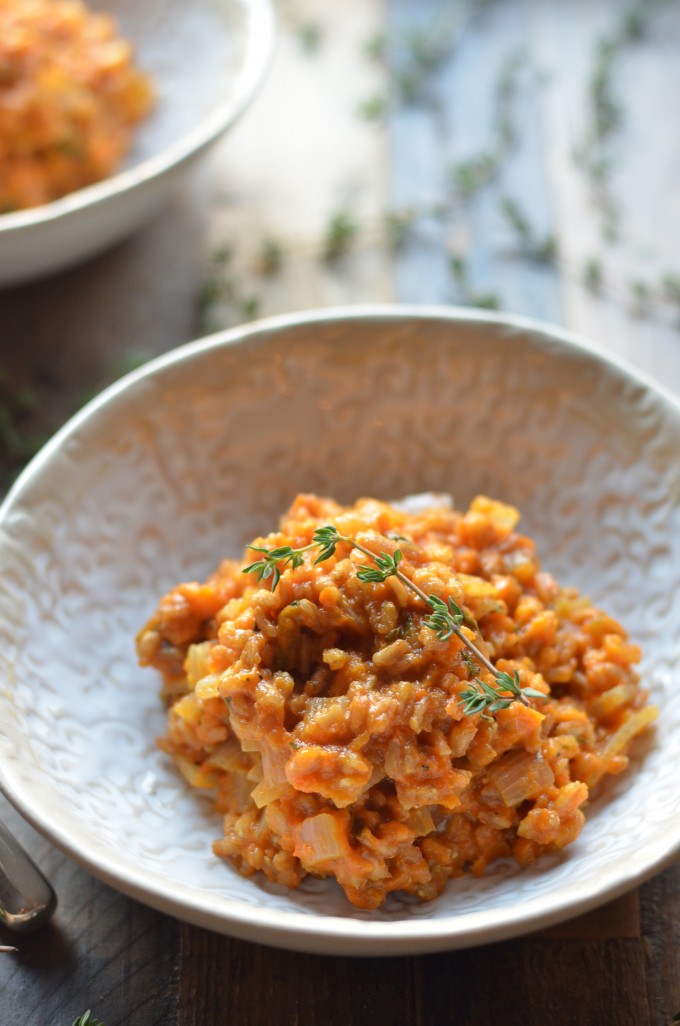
x=206, y=58
x=185, y=460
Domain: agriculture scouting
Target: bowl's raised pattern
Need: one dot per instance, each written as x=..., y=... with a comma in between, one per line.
x=181, y=468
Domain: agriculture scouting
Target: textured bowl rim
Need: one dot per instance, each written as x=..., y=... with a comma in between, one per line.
x=335, y=934
x=259, y=43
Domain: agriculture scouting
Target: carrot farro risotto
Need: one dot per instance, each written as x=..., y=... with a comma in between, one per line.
x=341, y=702
x=70, y=98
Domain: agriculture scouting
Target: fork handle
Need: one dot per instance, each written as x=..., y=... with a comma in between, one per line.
x=26, y=898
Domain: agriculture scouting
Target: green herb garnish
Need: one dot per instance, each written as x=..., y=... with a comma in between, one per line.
x=275, y=560
x=340, y=234
x=445, y=618
x=486, y=698
x=271, y=257
x=541, y=250
x=467, y=294
x=85, y=1020
x=310, y=35
x=471, y=175
x=592, y=274
x=595, y=155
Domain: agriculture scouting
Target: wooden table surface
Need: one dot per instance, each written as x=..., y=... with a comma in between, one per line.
x=527, y=156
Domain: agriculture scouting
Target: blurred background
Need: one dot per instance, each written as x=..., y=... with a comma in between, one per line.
x=519, y=155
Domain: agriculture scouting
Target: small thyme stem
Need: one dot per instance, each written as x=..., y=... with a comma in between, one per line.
x=445, y=618
x=479, y=655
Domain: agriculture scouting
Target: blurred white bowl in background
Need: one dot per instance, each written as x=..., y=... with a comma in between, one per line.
x=206, y=59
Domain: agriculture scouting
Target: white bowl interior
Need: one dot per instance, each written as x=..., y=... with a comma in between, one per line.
x=188, y=459
x=194, y=53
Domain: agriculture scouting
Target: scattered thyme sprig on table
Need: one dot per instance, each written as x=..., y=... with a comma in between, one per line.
x=596, y=153
x=540, y=250
x=85, y=1020
x=471, y=175
x=445, y=618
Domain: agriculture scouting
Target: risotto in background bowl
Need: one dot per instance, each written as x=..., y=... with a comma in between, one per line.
x=125, y=502
x=134, y=121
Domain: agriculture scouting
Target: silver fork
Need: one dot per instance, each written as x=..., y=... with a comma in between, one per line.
x=26, y=898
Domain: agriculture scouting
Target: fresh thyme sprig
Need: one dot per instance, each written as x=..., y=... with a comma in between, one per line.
x=466, y=292
x=592, y=274
x=414, y=57
x=275, y=560
x=85, y=1020
x=540, y=250
x=595, y=154
x=471, y=175
x=387, y=566
x=487, y=698
x=445, y=618
x=340, y=234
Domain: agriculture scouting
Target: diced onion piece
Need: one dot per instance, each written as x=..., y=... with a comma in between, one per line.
x=420, y=502
x=188, y=710
x=197, y=776
x=520, y=775
x=638, y=722
x=208, y=687
x=227, y=757
x=195, y=664
x=322, y=839
x=610, y=701
x=420, y=822
x=265, y=793
x=274, y=759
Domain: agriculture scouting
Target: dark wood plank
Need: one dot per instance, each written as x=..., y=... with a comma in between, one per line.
x=249, y=985
x=537, y=980
x=101, y=951
x=67, y=336
x=594, y=974
x=660, y=916
x=619, y=918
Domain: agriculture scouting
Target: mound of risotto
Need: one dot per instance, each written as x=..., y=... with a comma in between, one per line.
x=346, y=736
x=70, y=98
